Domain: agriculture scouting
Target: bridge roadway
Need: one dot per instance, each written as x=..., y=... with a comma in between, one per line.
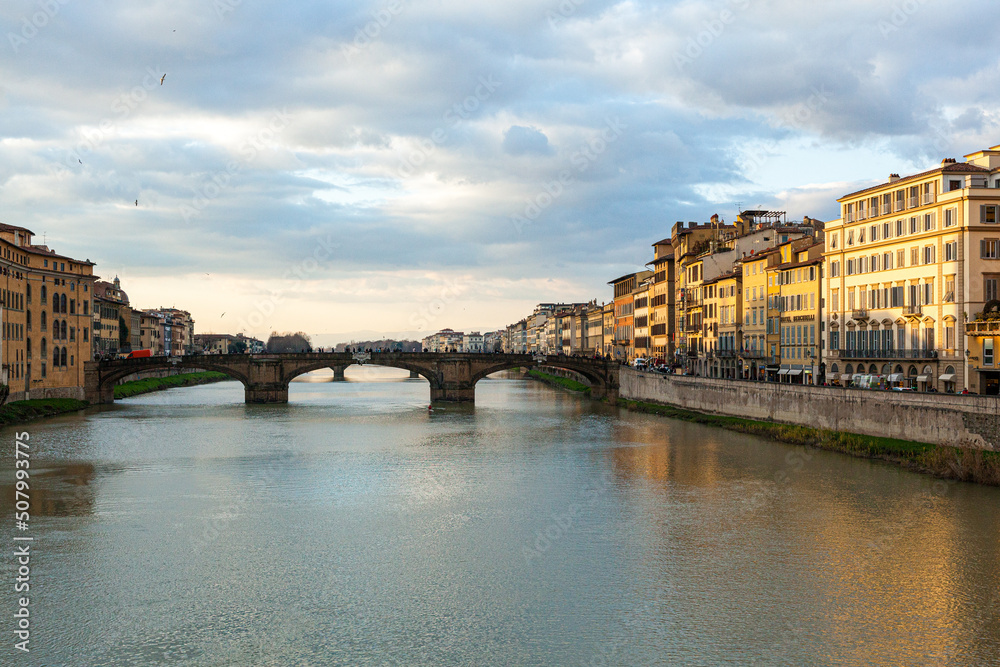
x=265, y=377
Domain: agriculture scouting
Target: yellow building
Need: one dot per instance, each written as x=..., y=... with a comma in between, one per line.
x=909, y=262
x=755, y=355
x=641, y=298
x=727, y=312
x=46, y=317
x=661, y=306
x=798, y=276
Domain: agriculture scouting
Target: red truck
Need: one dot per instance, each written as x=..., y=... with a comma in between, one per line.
x=139, y=354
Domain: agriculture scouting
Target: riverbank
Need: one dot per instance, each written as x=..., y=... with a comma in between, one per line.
x=560, y=382
x=967, y=465
x=136, y=387
x=23, y=411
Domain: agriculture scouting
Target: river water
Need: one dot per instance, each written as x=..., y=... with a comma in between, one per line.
x=354, y=527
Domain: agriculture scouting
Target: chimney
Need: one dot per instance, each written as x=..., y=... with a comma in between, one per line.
x=948, y=160
x=893, y=178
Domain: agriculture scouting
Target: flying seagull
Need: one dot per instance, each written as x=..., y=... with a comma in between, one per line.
x=162, y=78
x=79, y=160
x=222, y=315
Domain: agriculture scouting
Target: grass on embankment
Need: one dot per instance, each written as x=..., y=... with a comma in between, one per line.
x=136, y=387
x=22, y=411
x=968, y=465
x=565, y=383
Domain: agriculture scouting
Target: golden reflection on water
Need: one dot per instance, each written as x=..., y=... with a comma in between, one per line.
x=60, y=490
x=881, y=558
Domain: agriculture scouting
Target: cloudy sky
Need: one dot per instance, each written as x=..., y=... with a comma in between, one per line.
x=407, y=165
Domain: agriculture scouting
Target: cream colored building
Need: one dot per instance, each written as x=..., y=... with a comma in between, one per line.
x=755, y=355
x=661, y=306
x=908, y=263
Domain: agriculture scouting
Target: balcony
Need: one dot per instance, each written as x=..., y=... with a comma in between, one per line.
x=915, y=312
x=859, y=314
x=982, y=328
x=886, y=209
x=927, y=199
x=911, y=202
x=900, y=205
x=725, y=354
x=753, y=354
x=887, y=354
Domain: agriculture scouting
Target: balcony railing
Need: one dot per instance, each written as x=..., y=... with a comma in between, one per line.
x=913, y=311
x=900, y=205
x=983, y=328
x=725, y=354
x=886, y=209
x=753, y=354
x=911, y=202
x=927, y=198
x=859, y=314
x=888, y=354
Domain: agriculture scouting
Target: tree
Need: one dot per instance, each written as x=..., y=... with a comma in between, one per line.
x=123, y=335
x=237, y=347
x=289, y=342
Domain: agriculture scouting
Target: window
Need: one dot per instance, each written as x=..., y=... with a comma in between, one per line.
x=989, y=289
x=861, y=235
x=900, y=258
x=950, y=217
x=44, y=295
x=85, y=331
x=850, y=237
x=989, y=214
x=929, y=221
x=987, y=352
x=929, y=254
x=833, y=241
x=914, y=226
x=989, y=249
x=951, y=251
x=900, y=227
x=954, y=185
x=949, y=336
x=914, y=256
x=949, y=289
x=928, y=293
x=886, y=261
x=44, y=322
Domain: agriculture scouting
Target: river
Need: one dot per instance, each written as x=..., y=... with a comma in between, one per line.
x=355, y=527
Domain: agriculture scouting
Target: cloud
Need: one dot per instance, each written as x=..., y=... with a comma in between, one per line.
x=413, y=132
x=520, y=140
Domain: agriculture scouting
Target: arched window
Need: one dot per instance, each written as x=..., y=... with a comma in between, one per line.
x=886, y=369
x=55, y=303
x=62, y=330
x=62, y=357
x=55, y=329
x=899, y=369
x=912, y=372
x=834, y=369
x=27, y=291
x=44, y=322
x=849, y=369
x=44, y=293
x=44, y=349
x=27, y=348
x=873, y=370
x=62, y=303
x=55, y=357
x=950, y=370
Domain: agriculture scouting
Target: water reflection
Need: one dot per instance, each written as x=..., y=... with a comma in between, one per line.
x=353, y=526
x=54, y=490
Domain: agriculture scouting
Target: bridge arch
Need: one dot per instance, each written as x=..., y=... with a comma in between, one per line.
x=595, y=379
x=296, y=371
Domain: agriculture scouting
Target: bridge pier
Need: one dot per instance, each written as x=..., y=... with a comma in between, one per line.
x=460, y=394
x=266, y=393
x=338, y=374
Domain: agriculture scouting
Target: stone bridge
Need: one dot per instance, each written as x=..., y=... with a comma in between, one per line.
x=265, y=377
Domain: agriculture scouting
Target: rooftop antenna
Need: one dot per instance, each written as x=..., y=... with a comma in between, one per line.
x=739, y=207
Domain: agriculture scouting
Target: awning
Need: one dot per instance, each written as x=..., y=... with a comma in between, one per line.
x=947, y=377
x=795, y=371
x=922, y=378
x=783, y=371
x=896, y=377
x=845, y=376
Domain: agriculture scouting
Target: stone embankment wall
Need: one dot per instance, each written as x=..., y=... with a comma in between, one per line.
x=78, y=393
x=970, y=421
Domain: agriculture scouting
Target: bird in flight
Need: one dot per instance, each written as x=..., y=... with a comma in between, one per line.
x=162, y=78
x=222, y=315
x=136, y=202
x=79, y=160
